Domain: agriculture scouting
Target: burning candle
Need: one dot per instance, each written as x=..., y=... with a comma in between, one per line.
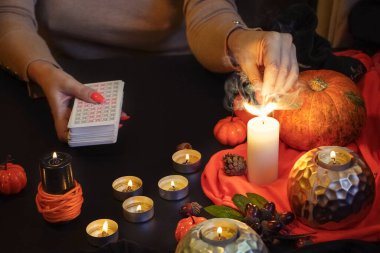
x=219, y=232
x=101, y=232
x=262, y=147
x=334, y=157
x=186, y=160
x=56, y=173
x=138, y=209
x=127, y=186
x=173, y=187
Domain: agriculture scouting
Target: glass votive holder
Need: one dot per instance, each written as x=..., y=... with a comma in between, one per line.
x=173, y=187
x=126, y=187
x=101, y=232
x=138, y=209
x=186, y=160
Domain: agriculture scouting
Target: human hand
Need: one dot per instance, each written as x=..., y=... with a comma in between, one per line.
x=268, y=59
x=59, y=88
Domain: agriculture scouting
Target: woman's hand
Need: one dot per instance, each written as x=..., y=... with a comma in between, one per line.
x=59, y=88
x=267, y=58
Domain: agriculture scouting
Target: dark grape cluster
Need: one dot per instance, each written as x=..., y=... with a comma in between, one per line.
x=266, y=221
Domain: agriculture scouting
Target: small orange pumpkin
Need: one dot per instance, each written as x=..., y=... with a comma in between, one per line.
x=333, y=112
x=12, y=178
x=230, y=131
x=185, y=224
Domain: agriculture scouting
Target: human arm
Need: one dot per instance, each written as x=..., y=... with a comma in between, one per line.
x=26, y=54
x=217, y=35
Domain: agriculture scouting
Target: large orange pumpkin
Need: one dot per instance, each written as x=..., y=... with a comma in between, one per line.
x=333, y=112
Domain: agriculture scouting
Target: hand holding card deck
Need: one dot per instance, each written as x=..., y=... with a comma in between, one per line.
x=95, y=124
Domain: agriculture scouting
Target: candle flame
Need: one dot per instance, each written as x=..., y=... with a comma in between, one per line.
x=138, y=208
x=187, y=157
x=219, y=231
x=55, y=155
x=332, y=155
x=105, y=226
x=130, y=183
x=172, y=184
x=260, y=110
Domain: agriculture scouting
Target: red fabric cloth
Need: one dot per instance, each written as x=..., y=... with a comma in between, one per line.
x=220, y=188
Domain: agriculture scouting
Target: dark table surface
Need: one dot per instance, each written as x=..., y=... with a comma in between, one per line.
x=170, y=100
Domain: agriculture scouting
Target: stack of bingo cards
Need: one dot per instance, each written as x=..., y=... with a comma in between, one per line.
x=95, y=124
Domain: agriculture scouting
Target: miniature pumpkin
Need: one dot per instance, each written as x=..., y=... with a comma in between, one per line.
x=12, y=178
x=230, y=131
x=333, y=112
x=185, y=224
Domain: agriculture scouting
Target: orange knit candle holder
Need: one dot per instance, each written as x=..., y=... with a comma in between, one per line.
x=59, y=208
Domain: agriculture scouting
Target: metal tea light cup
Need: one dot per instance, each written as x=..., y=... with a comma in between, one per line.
x=121, y=189
x=186, y=161
x=96, y=236
x=138, y=209
x=173, y=187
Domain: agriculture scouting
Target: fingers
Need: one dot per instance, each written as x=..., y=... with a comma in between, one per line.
x=78, y=90
x=60, y=121
x=294, y=71
x=281, y=67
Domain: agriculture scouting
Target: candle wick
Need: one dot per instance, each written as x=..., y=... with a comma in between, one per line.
x=333, y=160
x=172, y=188
x=104, y=233
x=263, y=122
x=219, y=237
x=129, y=188
x=186, y=161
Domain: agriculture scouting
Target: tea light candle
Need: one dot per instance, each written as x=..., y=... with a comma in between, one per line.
x=101, y=232
x=219, y=232
x=138, y=209
x=186, y=160
x=173, y=187
x=56, y=173
x=333, y=157
x=262, y=149
x=127, y=186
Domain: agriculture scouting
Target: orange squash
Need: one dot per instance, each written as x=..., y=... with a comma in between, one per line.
x=12, y=178
x=230, y=131
x=333, y=112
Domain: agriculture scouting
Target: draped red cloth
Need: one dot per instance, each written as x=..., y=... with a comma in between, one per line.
x=220, y=188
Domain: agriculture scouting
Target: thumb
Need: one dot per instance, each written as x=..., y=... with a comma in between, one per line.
x=84, y=93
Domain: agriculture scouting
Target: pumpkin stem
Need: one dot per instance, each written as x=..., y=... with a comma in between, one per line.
x=317, y=84
x=192, y=219
x=232, y=115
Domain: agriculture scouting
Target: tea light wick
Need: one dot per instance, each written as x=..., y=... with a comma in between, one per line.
x=104, y=229
x=187, y=158
x=172, y=186
x=54, y=160
x=219, y=231
x=129, y=185
x=333, y=156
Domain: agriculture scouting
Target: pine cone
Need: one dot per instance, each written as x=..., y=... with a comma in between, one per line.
x=190, y=209
x=234, y=165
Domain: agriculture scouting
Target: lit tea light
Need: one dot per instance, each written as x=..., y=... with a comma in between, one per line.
x=101, y=232
x=173, y=187
x=262, y=145
x=138, y=209
x=56, y=173
x=219, y=232
x=334, y=157
x=186, y=160
x=127, y=186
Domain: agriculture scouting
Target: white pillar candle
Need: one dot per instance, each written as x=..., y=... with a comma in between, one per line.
x=262, y=149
